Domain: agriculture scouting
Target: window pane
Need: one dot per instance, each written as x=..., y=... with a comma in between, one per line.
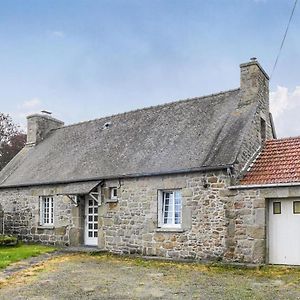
x=276, y=208
x=171, y=208
x=296, y=207
x=168, y=208
x=115, y=192
x=47, y=215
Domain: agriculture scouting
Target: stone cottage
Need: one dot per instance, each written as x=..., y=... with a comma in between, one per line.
x=160, y=181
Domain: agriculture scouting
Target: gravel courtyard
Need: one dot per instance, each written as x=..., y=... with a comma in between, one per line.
x=82, y=276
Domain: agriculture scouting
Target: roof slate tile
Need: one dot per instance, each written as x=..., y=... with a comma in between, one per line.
x=186, y=135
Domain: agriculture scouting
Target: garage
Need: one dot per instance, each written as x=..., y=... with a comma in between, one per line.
x=283, y=231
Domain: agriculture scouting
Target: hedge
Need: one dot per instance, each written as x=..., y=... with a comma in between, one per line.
x=8, y=240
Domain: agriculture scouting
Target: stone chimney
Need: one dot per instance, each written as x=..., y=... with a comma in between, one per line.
x=39, y=125
x=254, y=84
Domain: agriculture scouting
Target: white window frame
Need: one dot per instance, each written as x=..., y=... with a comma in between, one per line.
x=46, y=210
x=112, y=194
x=162, y=209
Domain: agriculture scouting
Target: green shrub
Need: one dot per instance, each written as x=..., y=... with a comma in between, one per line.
x=8, y=240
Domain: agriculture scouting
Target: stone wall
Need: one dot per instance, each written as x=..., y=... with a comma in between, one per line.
x=218, y=223
x=246, y=226
x=22, y=217
x=247, y=215
x=131, y=224
x=254, y=90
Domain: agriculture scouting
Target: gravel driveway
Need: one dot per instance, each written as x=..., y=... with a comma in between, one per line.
x=82, y=276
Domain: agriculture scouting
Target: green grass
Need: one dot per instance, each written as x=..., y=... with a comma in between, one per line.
x=9, y=255
x=285, y=273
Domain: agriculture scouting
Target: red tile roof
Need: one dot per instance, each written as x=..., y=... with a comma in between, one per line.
x=279, y=162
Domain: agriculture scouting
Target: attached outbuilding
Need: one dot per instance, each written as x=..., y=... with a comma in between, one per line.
x=274, y=181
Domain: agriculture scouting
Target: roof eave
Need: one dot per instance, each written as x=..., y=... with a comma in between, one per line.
x=263, y=185
x=192, y=170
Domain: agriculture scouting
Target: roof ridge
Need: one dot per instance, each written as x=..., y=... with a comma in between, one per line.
x=149, y=107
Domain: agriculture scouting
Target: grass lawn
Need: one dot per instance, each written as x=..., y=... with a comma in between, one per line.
x=9, y=255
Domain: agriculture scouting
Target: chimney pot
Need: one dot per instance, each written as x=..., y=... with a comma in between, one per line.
x=46, y=112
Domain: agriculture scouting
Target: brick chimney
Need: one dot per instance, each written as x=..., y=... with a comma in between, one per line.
x=39, y=125
x=254, y=83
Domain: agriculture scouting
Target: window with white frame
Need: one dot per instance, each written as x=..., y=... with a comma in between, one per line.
x=170, y=209
x=113, y=193
x=46, y=210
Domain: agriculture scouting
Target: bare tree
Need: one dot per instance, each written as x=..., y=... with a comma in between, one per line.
x=12, y=139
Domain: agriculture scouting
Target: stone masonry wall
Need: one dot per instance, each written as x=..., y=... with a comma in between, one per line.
x=218, y=223
x=254, y=89
x=22, y=218
x=246, y=238
x=131, y=224
x=252, y=139
x=247, y=215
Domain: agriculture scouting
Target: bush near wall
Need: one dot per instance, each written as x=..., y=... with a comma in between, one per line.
x=8, y=240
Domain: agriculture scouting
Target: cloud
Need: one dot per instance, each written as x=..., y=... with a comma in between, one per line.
x=285, y=107
x=25, y=109
x=30, y=104
x=58, y=34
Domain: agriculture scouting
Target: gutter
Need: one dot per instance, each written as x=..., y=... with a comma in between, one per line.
x=134, y=175
x=265, y=185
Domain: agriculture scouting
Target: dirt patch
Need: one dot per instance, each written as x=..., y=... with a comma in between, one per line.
x=75, y=276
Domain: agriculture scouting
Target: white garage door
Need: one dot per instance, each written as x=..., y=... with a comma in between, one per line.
x=284, y=228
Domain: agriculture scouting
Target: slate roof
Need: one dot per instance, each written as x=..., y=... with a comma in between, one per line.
x=279, y=162
x=175, y=137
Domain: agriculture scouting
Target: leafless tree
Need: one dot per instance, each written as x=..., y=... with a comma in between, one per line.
x=12, y=139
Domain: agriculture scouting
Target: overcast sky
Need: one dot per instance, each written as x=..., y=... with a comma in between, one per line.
x=83, y=59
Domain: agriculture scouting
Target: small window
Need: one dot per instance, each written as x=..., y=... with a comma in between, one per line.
x=296, y=207
x=276, y=208
x=113, y=193
x=170, y=213
x=46, y=211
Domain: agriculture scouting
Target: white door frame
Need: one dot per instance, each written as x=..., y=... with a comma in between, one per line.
x=91, y=221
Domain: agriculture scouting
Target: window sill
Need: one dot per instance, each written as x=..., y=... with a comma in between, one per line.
x=45, y=227
x=111, y=200
x=170, y=230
